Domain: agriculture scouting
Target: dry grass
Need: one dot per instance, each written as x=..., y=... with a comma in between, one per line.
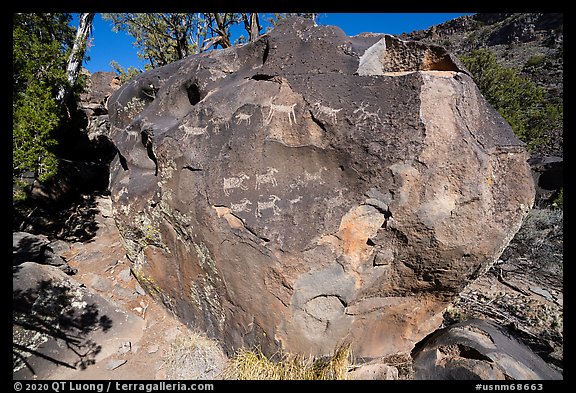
x=194, y=356
x=254, y=365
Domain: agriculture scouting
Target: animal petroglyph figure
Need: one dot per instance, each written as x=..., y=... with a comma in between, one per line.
x=242, y=206
x=268, y=177
x=296, y=200
x=189, y=131
x=243, y=117
x=366, y=118
x=288, y=109
x=217, y=122
x=132, y=134
x=235, y=182
x=327, y=111
x=269, y=204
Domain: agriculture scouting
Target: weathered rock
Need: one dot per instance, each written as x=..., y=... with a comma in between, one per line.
x=374, y=371
x=478, y=349
x=27, y=247
x=60, y=324
x=311, y=188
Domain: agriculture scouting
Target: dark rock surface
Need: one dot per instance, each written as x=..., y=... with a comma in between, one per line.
x=548, y=173
x=478, y=349
x=312, y=188
x=31, y=248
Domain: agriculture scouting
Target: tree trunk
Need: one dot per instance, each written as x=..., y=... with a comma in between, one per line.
x=254, y=27
x=224, y=41
x=77, y=54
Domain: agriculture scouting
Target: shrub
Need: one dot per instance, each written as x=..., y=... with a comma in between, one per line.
x=522, y=103
x=254, y=365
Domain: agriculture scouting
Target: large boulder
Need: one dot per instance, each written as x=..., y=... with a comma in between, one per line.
x=311, y=188
x=59, y=324
x=478, y=349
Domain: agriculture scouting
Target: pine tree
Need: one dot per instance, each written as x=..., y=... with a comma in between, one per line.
x=40, y=53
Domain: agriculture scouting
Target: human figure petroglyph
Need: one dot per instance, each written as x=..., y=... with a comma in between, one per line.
x=268, y=177
x=235, y=182
x=243, y=117
x=242, y=206
x=327, y=111
x=288, y=109
x=269, y=204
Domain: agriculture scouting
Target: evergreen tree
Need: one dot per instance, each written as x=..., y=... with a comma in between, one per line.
x=40, y=52
x=521, y=102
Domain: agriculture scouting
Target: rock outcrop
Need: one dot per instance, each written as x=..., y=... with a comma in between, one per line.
x=310, y=189
x=31, y=248
x=59, y=324
x=478, y=349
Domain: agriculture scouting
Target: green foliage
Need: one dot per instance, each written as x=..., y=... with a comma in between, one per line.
x=559, y=200
x=125, y=74
x=535, y=61
x=522, y=103
x=34, y=118
x=41, y=46
x=162, y=38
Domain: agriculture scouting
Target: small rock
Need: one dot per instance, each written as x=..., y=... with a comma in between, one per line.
x=139, y=290
x=172, y=333
x=124, y=348
x=125, y=275
x=114, y=364
x=376, y=371
x=542, y=292
x=153, y=348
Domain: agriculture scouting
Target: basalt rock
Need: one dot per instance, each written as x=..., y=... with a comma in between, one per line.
x=478, y=349
x=310, y=189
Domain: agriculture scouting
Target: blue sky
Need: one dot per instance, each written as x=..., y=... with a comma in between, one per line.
x=107, y=45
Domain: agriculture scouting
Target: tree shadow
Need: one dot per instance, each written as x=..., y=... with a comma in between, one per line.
x=54, y=312
x=73, y=220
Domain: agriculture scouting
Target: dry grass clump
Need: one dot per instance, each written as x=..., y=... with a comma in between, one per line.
x=254, y=365
x=194, y=356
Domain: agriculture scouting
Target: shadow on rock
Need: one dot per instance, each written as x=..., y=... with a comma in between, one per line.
x=54, y=322
x=74, y=220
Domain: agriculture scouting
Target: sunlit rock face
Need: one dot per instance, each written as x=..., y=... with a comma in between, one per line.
x=310, y=189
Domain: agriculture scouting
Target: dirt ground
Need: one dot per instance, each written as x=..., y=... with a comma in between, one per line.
x=164, y=348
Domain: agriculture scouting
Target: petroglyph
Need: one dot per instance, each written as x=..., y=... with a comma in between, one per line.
x=242, y=206
x=218, y=123
x=189, y=131
x=367, y=119
x=268, y=177
x=243, y=117
x=326, y=111
x=296, y=200
x=287, y=109
x=269, y=204
x=235, y=182
x=132, y=134
x=316, y=176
